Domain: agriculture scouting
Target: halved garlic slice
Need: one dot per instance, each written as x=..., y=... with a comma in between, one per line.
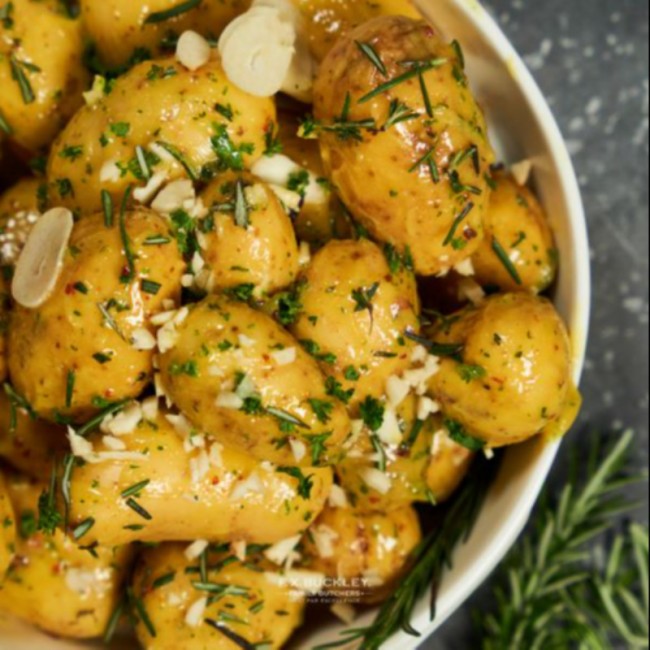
x=39, y=265
x=263, y=51
x=192, y=50
x=257, y=49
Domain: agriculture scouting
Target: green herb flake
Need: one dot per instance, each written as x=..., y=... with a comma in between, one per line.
x=372, y=55
x=305, y=483
x=372, y=413
x=459, y=435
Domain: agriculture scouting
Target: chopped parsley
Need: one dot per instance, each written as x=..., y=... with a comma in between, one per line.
x=460, y=436
x=305, y=483
x=470, y=373
x=229, y=155
x=335, y=389
x=322, y=410
x=372, y=413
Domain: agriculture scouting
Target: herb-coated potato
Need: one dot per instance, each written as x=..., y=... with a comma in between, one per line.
x=78, y=347
x=52, y=582
x=208, y=124
x=5, y=307
x=121, y=29
x=328, y=20
x=34, y=445
x=257, y=246
x=369, y=551
x=516, y=222
x=418, y=183
x=255, y=612
x=209, y=492
x=515, y=375
x=235, y=373
x=427, y=467
x=7, y=527
x=42, y=74
x=357, y=305
x=18, y=212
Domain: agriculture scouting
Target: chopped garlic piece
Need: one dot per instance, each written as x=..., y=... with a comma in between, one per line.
x=196, y=549
x=192, y=50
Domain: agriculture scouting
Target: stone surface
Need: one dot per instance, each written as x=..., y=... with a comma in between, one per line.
x=590, y=58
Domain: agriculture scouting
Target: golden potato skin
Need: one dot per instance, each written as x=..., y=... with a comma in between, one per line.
x=39, y=34
x=369, y=340
x=34, y=445
x=182, y=510
x=328, y=20
x=19, y=210
x=118, y=27
x=516, y=221
x=426, y=469
x=256, y=606
x=7, y=527
x=66, y=334
x=264, y=253
x=219, y=344
x=383, y=177
x=39, y=587
x=366, y=547
x=515, y=377
x=156, y=102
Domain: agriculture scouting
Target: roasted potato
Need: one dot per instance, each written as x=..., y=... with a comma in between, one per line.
x=409, y=161
x=192, y=488
x=33, y=446
x=181, y=123
x=123, y=30
x=90, y=342
x=514, y=378
x=426, y=466
x=237, y=374
x=252, y=611
x=370, y=552
x=328, y=20
x=7, y=527
x=42, y=75
x=357, y=305
x=248, y=237
x=54, y=583
x=516, y=228
x=19, y=210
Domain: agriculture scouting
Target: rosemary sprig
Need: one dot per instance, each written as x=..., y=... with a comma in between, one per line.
x=548, y=597
x=430, y=560
x=174, y=12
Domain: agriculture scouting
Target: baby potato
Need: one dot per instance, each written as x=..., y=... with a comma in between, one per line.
x=253, y=612
x=90, y=341
x=5, y=307
x=190, y=488
x=54, y=583
x=33, y=446
x=19, y=211
x=409, y=162
x=7, y=527
x=426, y=467
x=328, y=20
x=42, y=74
x=249, y=238
x=357, y=304
x=121, y=29
x=181, y=123
x=515, y=226
x=515, y=375
x=370, y=552
x=235, y=373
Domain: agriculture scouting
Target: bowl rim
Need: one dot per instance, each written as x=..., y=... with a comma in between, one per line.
x=495, y=551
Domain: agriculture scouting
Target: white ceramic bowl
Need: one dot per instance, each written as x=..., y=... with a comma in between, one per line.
x=522, y=127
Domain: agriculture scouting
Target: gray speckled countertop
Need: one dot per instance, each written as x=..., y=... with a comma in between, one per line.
x=590, y=58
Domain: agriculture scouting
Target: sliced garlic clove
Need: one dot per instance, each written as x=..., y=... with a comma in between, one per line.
x=299, y=82
x=278, y=170
x=257, y=50
x=192, y=50
x=521, y=172
x=286, y=8
x=39, y=265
